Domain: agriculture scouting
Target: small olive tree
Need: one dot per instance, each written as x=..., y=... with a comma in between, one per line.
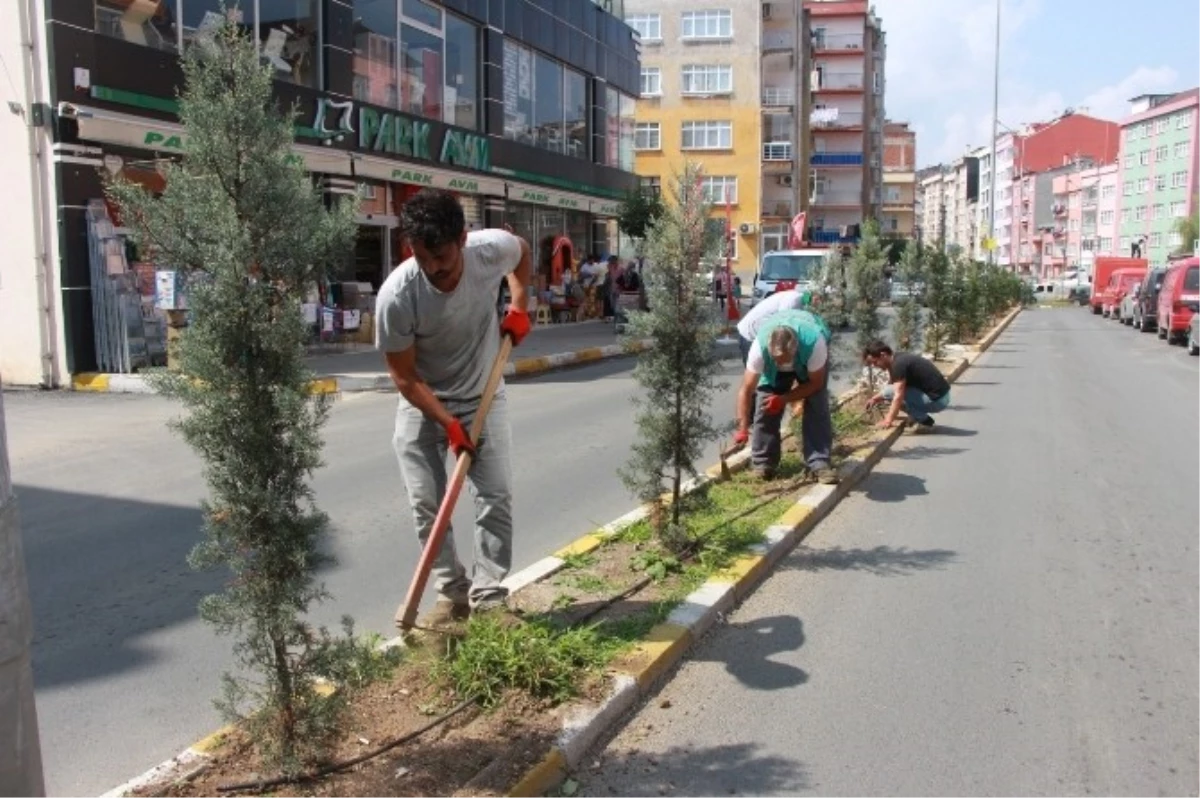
x=679, y=374
x=907, y=328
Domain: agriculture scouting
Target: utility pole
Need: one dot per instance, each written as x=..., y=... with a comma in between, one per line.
x=995, y=131
x=20, y=750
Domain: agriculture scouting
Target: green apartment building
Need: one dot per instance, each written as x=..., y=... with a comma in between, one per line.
x=1158, y=165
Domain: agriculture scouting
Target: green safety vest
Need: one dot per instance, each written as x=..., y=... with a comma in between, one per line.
x=809, y=328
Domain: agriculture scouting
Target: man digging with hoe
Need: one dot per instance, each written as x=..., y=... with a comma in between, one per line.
x=435, y=322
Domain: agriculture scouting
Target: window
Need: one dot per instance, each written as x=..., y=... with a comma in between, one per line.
x=1160, y=182
x=627, y=107
x=1107, y=191
x=712, y=24
x=892, y=194
x=1105, y=245
x=716, y=230
x=518, y=92
x=647, y=136
x=651, y=184
x=1156, y=239
x=375, y=53
x=648, y=26
x=715, y=188
x=1106, y=217
x=1144, y=158
x=1161, y=125
x=1124, y=243
x=612, y=127
x=1183, y=120
x=707, y=79
x=1124, y=215
x=462, y=73
x=1181, y=149
x=707, y=136
x=1178, y=209
x=1179, y=180
x=1143, y=185
x=1160, y=211
x=1128, y=188
x=1145, y=130
x=421, y=60
x=576, y=108
x=1161, y=153
x=1129, y=160
x=548, y=110
x=1139, y=213
x=651, y=82
x=157, y=27
x=1175, y=239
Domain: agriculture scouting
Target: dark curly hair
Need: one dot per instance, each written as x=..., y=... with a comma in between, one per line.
x=876, y=348
x=433, y=217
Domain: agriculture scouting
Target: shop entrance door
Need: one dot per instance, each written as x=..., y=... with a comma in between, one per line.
x=372, y=253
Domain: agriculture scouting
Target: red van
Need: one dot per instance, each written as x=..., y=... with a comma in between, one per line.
x=1119, y=282
x=1178, y=299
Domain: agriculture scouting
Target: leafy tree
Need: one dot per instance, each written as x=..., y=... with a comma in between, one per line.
x=679, y=374
x=639, y=211
x=1188, y=228
x=939, y=298
x=866, y=267
x=907, y=328
x=242, y=219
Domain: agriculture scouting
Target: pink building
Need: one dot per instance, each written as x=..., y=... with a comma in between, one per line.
x=1085, y=210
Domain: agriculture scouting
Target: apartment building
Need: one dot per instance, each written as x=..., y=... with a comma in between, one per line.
x=1157, y=172
x=848, y=57
x=1020, y=154
x=899, y=180
x=1085, y=207
x=726, y=87
x=948, y=197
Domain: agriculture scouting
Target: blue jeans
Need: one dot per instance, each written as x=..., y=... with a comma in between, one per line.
x=917, y=404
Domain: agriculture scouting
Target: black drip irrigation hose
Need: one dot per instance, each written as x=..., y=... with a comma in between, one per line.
x=264, y=784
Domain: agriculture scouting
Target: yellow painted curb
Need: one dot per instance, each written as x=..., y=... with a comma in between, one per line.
x=542, y=776
x=581, y=546
x=323, y=385
x=96, y=383
x=530, y=365
x=659, y=650
x=794, y=516
x=589, y=354
x=213, y=741
x=744, y=568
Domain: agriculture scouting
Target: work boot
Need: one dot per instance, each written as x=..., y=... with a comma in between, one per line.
x=923, y=428
x=490, y=603
x=765, y=473
x=827, y=475
x=446, y=612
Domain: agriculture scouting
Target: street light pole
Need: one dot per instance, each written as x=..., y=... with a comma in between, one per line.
x=20, y=750
x=995, y=132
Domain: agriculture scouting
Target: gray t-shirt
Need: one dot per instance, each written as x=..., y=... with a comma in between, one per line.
x=457, y=334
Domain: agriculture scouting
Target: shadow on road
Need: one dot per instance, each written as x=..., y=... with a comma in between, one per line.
x=923, y=452
x=881, y=560
x=970, y=384
x=993, y=366
x=753, y=645
x=941, y=430
x=732, y=769
x=883, y=487
x=966, y=407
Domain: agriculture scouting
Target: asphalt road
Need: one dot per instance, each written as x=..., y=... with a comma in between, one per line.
x=1006, y=608
x=125, y=671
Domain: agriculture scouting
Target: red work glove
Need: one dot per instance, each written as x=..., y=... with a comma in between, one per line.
x=774, y=405
x=741, y=437
x=515, y=324
x=460, y=441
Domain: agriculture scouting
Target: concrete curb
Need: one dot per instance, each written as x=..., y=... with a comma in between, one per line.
x=93, y=382
x=635, y=674
x=668, y=643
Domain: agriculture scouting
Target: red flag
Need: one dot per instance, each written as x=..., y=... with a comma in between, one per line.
x=730, y=301
x=796, y=233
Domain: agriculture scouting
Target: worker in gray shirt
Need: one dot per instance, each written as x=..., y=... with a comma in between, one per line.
x=435, y=322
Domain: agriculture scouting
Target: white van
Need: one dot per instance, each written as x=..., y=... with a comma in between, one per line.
x=802, y=267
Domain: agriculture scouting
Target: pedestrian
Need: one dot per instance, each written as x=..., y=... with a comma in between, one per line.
x=783, y=300
x=915, y=384
x=611, y=287
x=789, y=362
x=435, y=326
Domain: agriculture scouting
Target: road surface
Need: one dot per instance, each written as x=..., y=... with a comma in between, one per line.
x=1006, y=608
x=109, y=504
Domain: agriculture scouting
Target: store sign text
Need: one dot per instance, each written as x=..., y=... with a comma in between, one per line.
x=466, y=149
x=162, y=141
x=393, y=133
x=398, y=134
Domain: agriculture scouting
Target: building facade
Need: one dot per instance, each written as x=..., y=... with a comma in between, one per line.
x=848, y=57
x=1085, y=204
x=1157, y=177
x=949, y=194
x=524, y=109
x=725, y=87
x=899, y=180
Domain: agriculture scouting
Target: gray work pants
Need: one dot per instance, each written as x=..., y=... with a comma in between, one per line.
x=421, y=447
x=816, y=426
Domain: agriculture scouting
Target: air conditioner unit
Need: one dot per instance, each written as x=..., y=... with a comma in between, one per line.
x=745, y=228
x=785, y=180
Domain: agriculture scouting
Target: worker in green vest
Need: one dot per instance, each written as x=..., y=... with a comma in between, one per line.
x=788, y=363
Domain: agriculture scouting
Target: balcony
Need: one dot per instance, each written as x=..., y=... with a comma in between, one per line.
x=836, y=159
x=778, y=97
x=843, y=199
x=837, y=81
x=837, y=44
x=836, y=119
x=777, y=151
x=778, y=42
x=778, y=209
x=829, y=237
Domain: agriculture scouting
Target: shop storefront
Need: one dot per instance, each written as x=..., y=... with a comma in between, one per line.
x=523, y=113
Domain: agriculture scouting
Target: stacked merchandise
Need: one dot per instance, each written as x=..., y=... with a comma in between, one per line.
x=129, y=330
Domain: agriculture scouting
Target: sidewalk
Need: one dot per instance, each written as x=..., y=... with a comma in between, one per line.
x=547, y=347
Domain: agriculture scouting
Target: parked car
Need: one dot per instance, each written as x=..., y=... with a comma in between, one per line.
x=1179, y=299
x=1193, y=342
x=1125, y=307
x=1145, y=310
x=1119, y=282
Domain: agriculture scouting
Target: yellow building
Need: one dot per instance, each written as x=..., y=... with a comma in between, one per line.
x=725, y=87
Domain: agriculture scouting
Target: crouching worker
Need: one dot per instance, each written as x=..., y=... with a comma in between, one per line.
x=788, y=363
x=916, y=386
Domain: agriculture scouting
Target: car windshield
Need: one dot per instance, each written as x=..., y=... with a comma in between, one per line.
x=1191, y=280
x=790, y=267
